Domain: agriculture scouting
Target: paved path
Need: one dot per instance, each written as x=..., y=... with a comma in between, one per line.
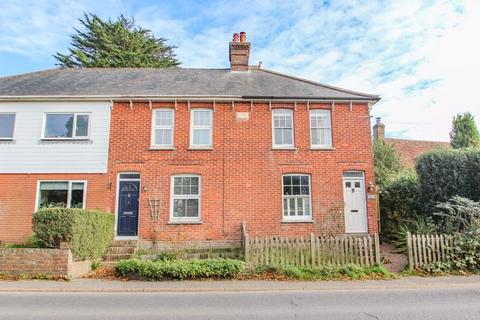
x=394, y=261
x=425, y=304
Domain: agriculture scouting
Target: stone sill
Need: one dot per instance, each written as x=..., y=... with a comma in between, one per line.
x=184, y=222
x=297, y=221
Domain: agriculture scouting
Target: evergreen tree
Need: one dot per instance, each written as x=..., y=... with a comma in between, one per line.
x=464, y=132
x=387, y=162
x=116, y=44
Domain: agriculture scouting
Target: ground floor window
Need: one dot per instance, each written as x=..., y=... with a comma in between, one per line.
x=64, y=194
x=185, y=195
x=296, y=197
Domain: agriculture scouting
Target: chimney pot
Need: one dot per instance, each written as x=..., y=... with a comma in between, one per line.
x=243, y=37
x=236, y=37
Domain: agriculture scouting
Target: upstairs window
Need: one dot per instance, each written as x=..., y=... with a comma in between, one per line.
x=201, y=128
x=7, y=125
x=185, y=205
x=63, y=194
x=296, y=197
x=163, y=123
x=282, y=126
x=66, y=126
x=320, y=129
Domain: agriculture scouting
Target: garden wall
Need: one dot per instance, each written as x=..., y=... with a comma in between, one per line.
x=33, y=262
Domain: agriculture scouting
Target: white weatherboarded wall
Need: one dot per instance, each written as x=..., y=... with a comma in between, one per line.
x=29, y=154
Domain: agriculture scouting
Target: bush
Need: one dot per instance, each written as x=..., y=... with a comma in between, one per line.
x=398, y=202
x=89, y=232
x=458, y=215
x=415, y=225
x=387, y=162
x=180, y=269
x=443, y=174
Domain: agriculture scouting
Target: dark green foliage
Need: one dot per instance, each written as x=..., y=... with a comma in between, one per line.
x=116, y=44
x=327, y=272
x=443, y=174
x=89, y=232
x=415, y=225
x=464, y=132
x=180, y=269
x=387, y=162
x=399, y=199
x=458, y=215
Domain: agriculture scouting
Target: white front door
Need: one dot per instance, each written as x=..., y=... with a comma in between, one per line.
x=355, y=204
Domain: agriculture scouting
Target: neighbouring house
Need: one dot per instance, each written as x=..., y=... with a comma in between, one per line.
x=184, y=156
x=408, y=150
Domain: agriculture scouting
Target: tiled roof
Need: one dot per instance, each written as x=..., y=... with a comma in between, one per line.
x=410, y=150
x=138, y=82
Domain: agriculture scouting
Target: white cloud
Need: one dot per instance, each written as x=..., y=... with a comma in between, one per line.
x=420, y=56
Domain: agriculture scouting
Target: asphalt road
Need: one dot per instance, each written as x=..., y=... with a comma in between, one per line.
x=402, y=304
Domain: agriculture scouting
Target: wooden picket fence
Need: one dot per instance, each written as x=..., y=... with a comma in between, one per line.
x=315, y=250
x=425, y=249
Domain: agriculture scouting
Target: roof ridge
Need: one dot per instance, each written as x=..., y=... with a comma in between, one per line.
x=29, y=73
x=374, y=96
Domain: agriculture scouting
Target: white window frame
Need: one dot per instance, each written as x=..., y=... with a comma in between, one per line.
x=283, y=146
x=154, y=127
x=289, y=218
x=321, y=146
x=14, y=125
x=192, y=127
x=187, y=196
x=69, y=192
x=74, y=126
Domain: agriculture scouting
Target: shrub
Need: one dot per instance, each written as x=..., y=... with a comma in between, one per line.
x=458, y=215
x=180, y=269
x=398, y=202
x=443, y=174
x=89, y=232
x=415, y=225
x=387, y=162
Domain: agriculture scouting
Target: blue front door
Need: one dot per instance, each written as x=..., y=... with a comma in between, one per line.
x=127, y=222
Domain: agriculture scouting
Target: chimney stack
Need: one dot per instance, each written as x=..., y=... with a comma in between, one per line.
x=239, y=52
x=379, y=130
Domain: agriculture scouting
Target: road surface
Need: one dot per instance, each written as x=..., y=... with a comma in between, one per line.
x=425, y=304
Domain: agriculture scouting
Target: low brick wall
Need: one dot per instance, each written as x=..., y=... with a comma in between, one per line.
x=45, y=262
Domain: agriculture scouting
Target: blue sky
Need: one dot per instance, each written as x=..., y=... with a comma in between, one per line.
x=422, y=57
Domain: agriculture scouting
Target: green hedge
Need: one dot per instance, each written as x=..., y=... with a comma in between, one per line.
x=89, y=232
x=443, y=174
x=180, y=269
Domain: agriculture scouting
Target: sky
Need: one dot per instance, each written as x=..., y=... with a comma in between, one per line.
x=421, y=57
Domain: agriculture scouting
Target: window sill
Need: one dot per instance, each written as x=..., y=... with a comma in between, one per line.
x=161, y=148
x=65, y=141
x=184, y=222
x=284, y=149
x=322, y=148
x=200, y=149
x=297, y=221
x=7, y=141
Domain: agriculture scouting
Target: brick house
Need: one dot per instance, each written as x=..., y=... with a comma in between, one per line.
x=408, y=150
x=184, y=156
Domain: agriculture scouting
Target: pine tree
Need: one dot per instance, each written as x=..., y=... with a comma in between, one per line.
x=116, y=44
x=464, y=132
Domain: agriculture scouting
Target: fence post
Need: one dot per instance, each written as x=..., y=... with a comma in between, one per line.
x=312, y=249
x=246, y=247
x=409, y=250
x=377, y=248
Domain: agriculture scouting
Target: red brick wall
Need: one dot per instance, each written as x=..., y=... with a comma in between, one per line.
x=33, y=262
x=18, y=193
x=241, y=176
